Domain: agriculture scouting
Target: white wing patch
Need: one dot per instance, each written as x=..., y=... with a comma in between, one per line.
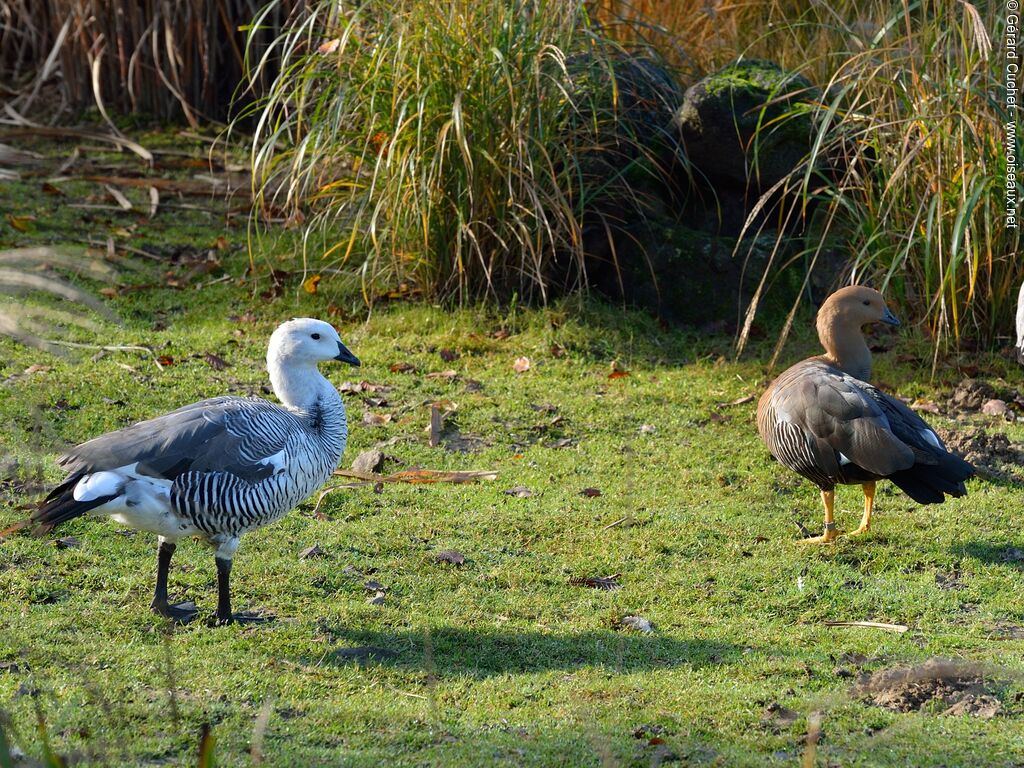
x=931, y=438
x=98, y=484
x=843, y=459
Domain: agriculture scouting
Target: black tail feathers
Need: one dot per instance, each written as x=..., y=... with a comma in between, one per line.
x=930, y=483
x=61, y=506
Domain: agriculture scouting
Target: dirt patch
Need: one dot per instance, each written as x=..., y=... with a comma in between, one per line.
x=942, y=686
x=971, y=394
x=994, y=455
x=977, y=396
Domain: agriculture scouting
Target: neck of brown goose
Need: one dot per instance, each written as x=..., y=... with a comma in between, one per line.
x=845, y=347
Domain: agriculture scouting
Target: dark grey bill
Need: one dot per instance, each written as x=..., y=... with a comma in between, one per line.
x=345, y=356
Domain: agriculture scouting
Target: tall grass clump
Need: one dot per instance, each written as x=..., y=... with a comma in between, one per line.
x=696, y=36
x=435, y=146
x=906, y=172
x=170, y=59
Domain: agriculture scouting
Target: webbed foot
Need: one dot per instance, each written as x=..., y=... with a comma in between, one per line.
x=243, y=617
x=179, y=613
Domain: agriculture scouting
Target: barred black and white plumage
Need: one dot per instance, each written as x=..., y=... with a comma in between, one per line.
x=217, y=468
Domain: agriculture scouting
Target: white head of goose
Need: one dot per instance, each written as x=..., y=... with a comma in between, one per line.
x=822, y=419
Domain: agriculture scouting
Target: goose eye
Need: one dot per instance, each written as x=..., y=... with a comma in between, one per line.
x=316, y=336
x=867, y=303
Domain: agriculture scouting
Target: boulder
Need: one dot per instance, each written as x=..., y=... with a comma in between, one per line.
x=747, y=126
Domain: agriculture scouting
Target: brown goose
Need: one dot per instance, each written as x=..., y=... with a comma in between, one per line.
x=822, y=419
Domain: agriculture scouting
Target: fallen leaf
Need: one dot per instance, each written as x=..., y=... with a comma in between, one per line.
x=639, y=623
x=928, y=406
x=68, y=542
x=221, y=243
x=520, y=492
x=618, y=374
x=154, y=201
x=403, y=368
x=20, y=223
x=216, y=362
x=311, y=552
x=447, y=375
x=310, y=284
x=501, y=334
x=648, y=429
x=590, y=492
x=165, y=361
x=557, y=351
x=328, y=46
x=36, y=368
x=452, y=556
x=563, y=442
x=374, y=586
x=50, y=189
x=521, y=365
x=448, y=355
x=377, y=599
x=596, y=582
x=379, y=140
x=376, y=419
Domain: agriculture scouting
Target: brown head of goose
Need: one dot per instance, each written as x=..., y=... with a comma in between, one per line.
x=823, y=420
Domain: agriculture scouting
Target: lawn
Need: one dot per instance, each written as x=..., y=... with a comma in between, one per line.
x=506, y=658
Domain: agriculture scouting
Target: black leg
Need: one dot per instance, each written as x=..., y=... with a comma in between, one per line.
x=223, y=591
x=180, y=612
x=224, y=614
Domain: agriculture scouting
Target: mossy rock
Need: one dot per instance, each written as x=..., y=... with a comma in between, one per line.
x=747, y=125
x=633, y=97
x=635, y=154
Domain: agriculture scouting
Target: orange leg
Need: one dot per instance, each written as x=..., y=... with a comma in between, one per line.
x=828, y=498
x=869, y=505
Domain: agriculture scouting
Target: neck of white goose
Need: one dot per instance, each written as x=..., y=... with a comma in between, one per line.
x=301, y=387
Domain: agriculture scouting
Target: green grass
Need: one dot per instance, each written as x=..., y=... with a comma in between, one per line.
x=500, y=661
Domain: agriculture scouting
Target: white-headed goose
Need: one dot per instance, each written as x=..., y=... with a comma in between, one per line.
x=217, y=468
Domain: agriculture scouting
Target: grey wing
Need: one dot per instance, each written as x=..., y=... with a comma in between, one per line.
x=834, y=409
x=238, y=435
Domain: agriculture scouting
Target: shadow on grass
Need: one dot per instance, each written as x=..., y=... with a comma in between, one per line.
x=992, y=553
x=451, y=651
